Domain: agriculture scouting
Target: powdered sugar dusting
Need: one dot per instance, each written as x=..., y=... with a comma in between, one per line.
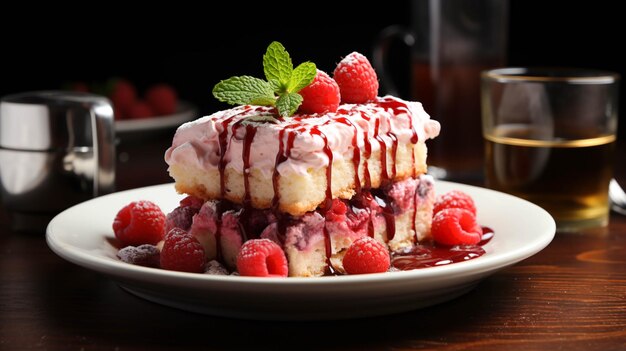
x=143, y=255
x=352, y=58
x=213, y=267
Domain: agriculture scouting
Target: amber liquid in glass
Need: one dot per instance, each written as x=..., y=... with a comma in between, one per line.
x=568, y=177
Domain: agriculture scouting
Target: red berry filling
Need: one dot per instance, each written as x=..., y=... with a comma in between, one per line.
x=337, y=211
x=191, y=201
x=366, y=255
x=262, y=258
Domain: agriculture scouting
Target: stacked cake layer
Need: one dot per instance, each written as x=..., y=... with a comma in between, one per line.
x=312, y=183
x=246, y=156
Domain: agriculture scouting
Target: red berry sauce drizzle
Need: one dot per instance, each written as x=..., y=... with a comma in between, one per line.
x=244, y=218
x=329, y=196
x=423, y=255
x=222, y=205
x=433, y=255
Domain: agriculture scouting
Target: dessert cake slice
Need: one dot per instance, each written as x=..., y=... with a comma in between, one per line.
x=371, y=155
x=312, y=182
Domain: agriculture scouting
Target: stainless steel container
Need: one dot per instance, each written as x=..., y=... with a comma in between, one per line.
x=56, y=149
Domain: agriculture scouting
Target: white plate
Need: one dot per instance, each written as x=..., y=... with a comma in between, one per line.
x=184, y=112
x=80, y=235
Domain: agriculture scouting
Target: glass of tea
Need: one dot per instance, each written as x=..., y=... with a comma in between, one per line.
x=549, y=138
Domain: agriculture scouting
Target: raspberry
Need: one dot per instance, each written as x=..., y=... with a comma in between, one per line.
x=262, y=258
x=139, y=110
x=162, y=99
x=357, y=79
x=455, y=226
x=143, y=255
x=123, y=96
x=366, y=255
x=140, y=222
x=182, y=252
x=182, y=216
x=454, y=199
x=322, y=95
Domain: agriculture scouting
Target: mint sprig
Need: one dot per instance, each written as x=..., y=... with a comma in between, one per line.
x=277, y=64
x=243, y=90
x=288, y=103
x=280, y=88
x=302, y=76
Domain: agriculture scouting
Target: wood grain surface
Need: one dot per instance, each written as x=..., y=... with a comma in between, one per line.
x=570, y=296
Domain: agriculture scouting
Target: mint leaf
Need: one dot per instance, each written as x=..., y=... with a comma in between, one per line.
x=277, y=64
x=288, y=103
x=302, y=76
x=276, y=86
x=263, y=101
x=280, y=89
x=244, y=90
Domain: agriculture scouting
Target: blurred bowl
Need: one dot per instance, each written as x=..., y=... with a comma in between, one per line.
x=185, y=112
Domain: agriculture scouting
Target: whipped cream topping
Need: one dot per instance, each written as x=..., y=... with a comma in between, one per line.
x=198, y=143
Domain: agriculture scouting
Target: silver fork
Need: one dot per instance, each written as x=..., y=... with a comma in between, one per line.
x=618, y=197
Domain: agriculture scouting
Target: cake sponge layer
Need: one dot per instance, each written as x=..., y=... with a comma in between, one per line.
x=298, y=193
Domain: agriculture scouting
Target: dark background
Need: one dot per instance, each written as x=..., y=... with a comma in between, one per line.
x=193, y=48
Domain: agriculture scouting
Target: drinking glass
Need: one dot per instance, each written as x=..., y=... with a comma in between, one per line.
x=550, y=137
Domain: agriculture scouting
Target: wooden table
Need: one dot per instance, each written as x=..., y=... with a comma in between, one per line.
x=570, y=296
